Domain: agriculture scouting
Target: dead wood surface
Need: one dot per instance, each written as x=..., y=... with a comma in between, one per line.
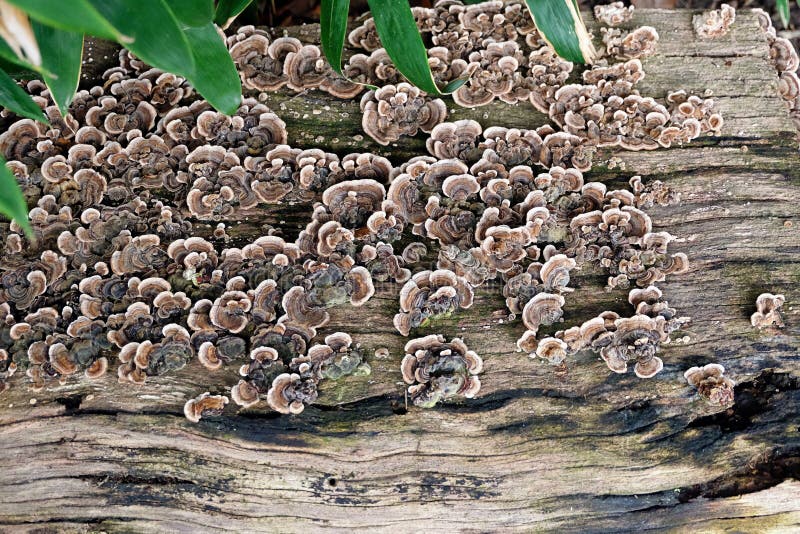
x=590, y=451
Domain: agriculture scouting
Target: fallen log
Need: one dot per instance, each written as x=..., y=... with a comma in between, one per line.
x=586, y=451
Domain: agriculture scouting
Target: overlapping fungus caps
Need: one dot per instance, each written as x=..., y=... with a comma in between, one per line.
x=118, y=182
x=768, y=311
x=436, y=370
x=714, y=23
x=204, y=405
x=613, y=14
x=392, y=111
x=430, y=295
x=711, y=384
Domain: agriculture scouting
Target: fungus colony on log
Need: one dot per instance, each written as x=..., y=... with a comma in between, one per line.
x=784, y=58
x=133, y=269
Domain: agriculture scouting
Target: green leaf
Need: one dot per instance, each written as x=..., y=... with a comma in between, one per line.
x=12, y=203
x=15, y=99
x=400, y=37
x=69, y=15
x=561, y=25
x=61, y=54
x=16, y=71
x=215, y=75
x=157, y=38
x=783, y=11
x=333, y=27
x=192, y=12
x=227, y=10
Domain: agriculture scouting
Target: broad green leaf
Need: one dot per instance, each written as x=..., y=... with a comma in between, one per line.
x=333, y=27
x=192, y=12
x=215, y=75
x=16, y=71
x=400, y=37
x=157, y=39
x=783, y=11
x=227, y=10
x=12, y=203
x=15, y=99
x=70, y=15
x=61, y=54
x=561, y=25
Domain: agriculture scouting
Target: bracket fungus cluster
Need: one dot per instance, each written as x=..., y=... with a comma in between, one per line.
x=711, y=384
x=436, y=369
x=784, y=58
x=714, y=23
x=506, y=58
x=768, y=311
x=138, y=265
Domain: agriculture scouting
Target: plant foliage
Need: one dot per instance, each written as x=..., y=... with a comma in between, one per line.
x=559, y=21
x=45, y=37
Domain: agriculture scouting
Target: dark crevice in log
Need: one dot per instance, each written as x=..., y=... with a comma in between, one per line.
x=768, y=392
x=763, y=471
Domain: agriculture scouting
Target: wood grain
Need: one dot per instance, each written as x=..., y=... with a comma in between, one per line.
x=587, y=452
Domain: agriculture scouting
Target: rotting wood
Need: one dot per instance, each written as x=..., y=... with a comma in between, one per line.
x=590, y=451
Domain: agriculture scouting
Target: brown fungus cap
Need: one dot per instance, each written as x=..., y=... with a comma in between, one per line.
x=552, y=349
x=362, y=286
x=542, y=309
x=204, y=405
x=711, y=384
x=245, y=394
x=768, y=311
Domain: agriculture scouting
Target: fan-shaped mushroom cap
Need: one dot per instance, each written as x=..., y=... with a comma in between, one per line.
x=61, y=359
x=245, y=394
x=361, y=282
x=208, y=357
x=555, y=273
x=552, y=349
x=460, y=186
x=299, y=311
x=543, y=308
x=204, y=405
x=97, y=368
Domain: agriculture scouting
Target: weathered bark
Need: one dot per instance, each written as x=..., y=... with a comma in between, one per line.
x=589, y=451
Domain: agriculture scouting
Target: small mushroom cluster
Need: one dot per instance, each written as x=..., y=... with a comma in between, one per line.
x=289, y=386
x=711, y=384
x=768, y=311
x=436, y=369
x=621, y=341
x=613, y=14
x=715, y=22
x=784, y=58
